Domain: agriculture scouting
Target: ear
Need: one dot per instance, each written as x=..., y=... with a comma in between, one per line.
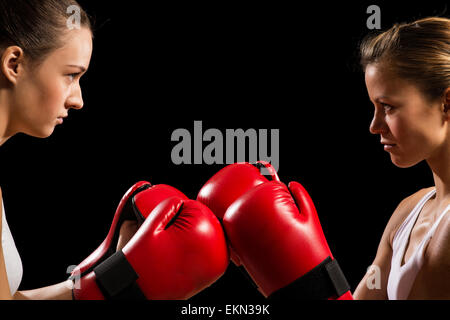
x=11, y=61
x=446, y=101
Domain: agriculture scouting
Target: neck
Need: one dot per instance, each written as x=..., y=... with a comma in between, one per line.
x=5, y=130
x=440, y=165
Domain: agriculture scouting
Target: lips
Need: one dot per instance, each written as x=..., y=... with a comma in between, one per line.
x=388, y=145
x=60, y=120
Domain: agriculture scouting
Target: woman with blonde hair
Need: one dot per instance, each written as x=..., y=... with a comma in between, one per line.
x=407, y=75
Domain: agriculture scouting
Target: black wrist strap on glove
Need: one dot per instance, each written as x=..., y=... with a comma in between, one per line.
x=116, y=279
x=326, y=280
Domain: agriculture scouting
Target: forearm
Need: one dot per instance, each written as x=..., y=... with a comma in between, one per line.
x=59, y=291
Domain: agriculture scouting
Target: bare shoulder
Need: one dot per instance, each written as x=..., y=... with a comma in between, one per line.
x=403, y=209
x=384, y=252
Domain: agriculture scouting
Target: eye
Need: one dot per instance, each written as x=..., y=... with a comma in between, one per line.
x=387, y=107
x=72, y=76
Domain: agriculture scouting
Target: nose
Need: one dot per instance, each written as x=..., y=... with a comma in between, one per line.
x=75, y=99
x=378, y=124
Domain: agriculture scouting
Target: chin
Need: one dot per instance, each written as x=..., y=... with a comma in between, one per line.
x=41, y=132
x=403, y=163
x=47, y=133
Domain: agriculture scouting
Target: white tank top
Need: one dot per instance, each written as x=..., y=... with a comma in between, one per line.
x=13, y=262
x=401, y=277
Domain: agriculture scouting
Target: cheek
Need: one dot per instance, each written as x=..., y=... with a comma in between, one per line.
x=414, y=134
x=52, y=95
x=398, y=127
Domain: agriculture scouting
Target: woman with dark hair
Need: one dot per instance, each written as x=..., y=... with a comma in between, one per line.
x=407, y=75
x=45, y=48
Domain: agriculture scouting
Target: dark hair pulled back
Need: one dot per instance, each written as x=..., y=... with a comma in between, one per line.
x=36, y=26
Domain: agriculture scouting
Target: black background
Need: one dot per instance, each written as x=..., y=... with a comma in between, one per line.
x=158, y=68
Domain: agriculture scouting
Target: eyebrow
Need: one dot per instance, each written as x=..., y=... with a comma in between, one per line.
x=377, y=99
x=83, y=69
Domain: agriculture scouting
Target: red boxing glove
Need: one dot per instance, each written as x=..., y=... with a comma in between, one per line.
x=222, y=189
x=276, y=233
x=282, y=246
x=179, y=250
x=219, y=192
x=124, y=212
